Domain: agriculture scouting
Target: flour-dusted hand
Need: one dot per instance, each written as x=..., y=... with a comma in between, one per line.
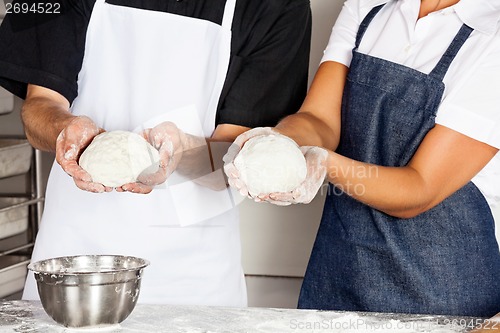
x=230, y=169
x=70, y=143
x=169, y=140
x=316, y=158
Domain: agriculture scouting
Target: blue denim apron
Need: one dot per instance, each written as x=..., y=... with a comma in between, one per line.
x=444, y=261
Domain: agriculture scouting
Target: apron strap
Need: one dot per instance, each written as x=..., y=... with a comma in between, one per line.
x=364, y=24
x=444, y=63
x=227, y=20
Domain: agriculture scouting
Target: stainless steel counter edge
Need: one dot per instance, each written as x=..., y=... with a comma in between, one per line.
x=29, y=316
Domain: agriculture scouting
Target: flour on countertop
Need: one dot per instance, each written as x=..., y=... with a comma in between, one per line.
x=23, y=316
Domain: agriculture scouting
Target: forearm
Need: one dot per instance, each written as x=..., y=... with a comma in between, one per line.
x=195, y=160
x=308, y=130
x=397, y=191
x=437, y=170
x=201, y=159
x=203, y=165
x=43, y=119
x=318, y=121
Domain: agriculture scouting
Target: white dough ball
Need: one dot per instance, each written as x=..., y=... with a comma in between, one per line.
x=118, y=157
x=270, y=164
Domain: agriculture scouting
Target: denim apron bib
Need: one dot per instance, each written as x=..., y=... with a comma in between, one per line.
x=444, y=261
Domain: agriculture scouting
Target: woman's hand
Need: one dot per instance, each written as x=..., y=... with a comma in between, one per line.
x=169, y=141
x=316, y=171
x=316, y=158
x=70, y=143
x=230, y=169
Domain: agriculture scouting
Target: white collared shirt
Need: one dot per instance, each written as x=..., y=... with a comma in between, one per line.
x=471, y=101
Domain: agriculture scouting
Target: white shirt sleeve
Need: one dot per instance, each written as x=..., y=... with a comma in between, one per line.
x=472, y=107
x=343, y=36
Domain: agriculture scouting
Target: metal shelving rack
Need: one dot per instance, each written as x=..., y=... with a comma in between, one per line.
x=26, y=206
x=20, y=215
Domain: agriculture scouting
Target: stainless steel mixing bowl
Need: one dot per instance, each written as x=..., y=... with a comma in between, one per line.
x=90, y=290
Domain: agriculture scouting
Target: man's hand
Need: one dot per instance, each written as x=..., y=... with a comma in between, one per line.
x=169, y=141
x=70, y=143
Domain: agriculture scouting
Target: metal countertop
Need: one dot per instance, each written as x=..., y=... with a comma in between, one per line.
x=29, y=316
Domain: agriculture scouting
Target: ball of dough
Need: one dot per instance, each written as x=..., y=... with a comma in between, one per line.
x=270, y=164
x=118, y=157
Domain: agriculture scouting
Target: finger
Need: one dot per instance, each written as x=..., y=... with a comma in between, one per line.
x=243, y=190
x=145, y=134
x=232, y=182
x=168, y=162
x=231, y=171
x=151, y=179
x=81, y=174
x=306, y=149
x=108, y=189
x=266, y=198
x=232, y=151
x=74, y=170
x=166, y=151
x=279, y=203
x=90, y=186
x=282, y=196
x=238, y=185
x=138, y=188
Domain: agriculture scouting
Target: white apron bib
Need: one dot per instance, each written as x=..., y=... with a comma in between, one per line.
x=140, y=68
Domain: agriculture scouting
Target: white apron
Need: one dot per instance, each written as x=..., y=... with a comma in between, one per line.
x=140, y=68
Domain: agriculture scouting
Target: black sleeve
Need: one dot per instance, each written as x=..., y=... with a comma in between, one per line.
x=44, y=49
x=268, y=71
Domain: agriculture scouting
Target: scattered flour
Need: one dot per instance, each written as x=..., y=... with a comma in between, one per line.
x=323, y=322
x=22, y=316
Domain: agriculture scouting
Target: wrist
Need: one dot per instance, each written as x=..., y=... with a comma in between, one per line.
x=332, y=167
x=63, y=123
x=189, y=142
x=67, y=121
